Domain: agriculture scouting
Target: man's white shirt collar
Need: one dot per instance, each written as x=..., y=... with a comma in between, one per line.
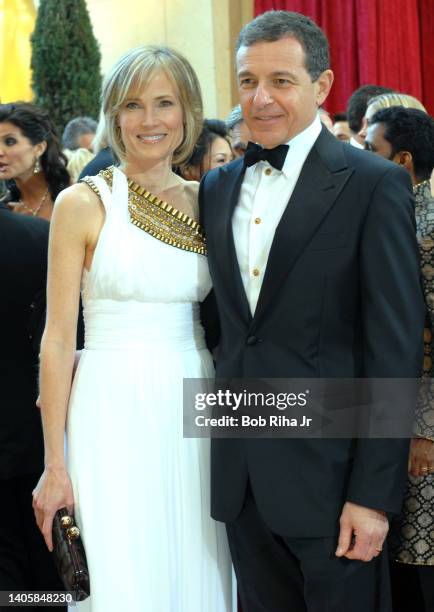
x=299, y=147
x=356, y=143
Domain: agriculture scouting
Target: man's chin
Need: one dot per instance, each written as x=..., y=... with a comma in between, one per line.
x=269, y=144
x=268, y=139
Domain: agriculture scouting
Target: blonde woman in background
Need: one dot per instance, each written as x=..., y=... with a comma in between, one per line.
x=386, y=101
x=77, y=160
x=129, y=236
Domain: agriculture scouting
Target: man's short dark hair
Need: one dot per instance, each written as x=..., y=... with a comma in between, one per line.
x=412, y=130
x=358, y=103
x=75, y=128
x=274, y=25
x=340, y=117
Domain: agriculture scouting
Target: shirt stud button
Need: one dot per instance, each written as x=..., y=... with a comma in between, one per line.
x=258, y=220
x=255, y=272
x=268, y=171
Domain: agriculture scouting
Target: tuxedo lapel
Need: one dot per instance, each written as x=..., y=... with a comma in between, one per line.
x=322, y=178
x=226, y=258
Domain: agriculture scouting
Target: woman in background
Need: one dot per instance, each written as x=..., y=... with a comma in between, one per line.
x=388, y=100
x=77, y=161
x=31, y=161
x=212, y=149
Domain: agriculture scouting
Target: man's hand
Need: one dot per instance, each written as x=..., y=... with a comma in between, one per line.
x=421, y=460
x=362, y=534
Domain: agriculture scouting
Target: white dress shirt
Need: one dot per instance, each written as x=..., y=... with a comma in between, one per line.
x=356, y=143
x=264, y=195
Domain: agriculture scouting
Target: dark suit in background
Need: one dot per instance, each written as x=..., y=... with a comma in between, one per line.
x=25, y=562
x=101, y=161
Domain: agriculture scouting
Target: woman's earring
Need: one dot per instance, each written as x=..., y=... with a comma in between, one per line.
x=37, y=166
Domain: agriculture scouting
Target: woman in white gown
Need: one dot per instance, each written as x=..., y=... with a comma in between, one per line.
x=140, y=491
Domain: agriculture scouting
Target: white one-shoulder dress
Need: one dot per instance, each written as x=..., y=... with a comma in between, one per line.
x=141, y=490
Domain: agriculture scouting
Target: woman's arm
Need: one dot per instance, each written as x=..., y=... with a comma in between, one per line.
x=75, y=225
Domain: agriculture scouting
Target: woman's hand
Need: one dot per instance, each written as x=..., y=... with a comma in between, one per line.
x=53, y=491
x=421, y=460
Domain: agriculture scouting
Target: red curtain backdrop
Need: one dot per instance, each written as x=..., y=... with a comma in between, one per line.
x=382, y=42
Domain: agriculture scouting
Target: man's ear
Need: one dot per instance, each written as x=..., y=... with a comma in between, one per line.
x=323, y=85
x=404, y=158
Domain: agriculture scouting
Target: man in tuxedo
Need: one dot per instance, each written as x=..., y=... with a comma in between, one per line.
x=314, y=261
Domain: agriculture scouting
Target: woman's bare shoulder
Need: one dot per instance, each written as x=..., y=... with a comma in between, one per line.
x=78, y=206
x=80, y=198
x=80, y=193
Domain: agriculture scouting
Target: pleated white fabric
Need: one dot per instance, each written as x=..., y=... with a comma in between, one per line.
x=141, y=490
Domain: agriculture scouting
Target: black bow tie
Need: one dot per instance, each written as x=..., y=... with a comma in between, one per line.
x=275, y=157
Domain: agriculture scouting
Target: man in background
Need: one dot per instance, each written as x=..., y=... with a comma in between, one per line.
x=356, y=109
x=25, y=563
x=79, y=134
x=406, y=137
x=238, y=131
x=341, y=129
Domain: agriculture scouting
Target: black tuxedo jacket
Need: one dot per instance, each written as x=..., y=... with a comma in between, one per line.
x=23, y=271
x=341, y=298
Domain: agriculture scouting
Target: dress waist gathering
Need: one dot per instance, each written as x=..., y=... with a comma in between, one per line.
x=133, y=325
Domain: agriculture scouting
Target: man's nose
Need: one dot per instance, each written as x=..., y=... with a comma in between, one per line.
x=262, y=95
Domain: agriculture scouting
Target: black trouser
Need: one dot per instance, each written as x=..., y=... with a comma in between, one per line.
x=277, y=574
x=412, y=587
x=25, y=562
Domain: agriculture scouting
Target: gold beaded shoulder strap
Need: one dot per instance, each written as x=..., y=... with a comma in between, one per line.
x=158, y=218
x=106, y=174
x=163, y=221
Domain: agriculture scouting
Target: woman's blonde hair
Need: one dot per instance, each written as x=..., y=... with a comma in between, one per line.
x=133, y=71
x=77, y=160
x=393, y=99
x=100, y=140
